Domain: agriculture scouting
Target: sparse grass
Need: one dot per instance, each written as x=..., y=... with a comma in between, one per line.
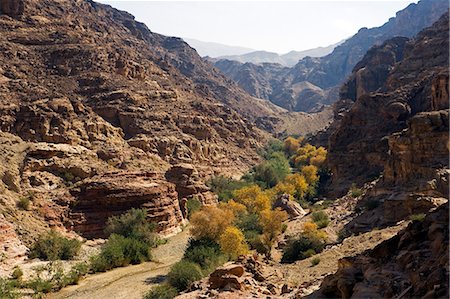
x=24, y=203
x=417, y=217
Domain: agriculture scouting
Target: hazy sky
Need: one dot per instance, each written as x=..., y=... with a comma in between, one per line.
x=278, y=26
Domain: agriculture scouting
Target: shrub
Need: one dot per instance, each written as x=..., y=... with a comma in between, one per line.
x=232, y=242
x=249, y=222
x=183, y=273
x=309, y=253
x=24, y=203
x=355, y=192
x=120, y=251
x=205, y=253
x=163, y=291
x=17, y=273
x=320, y=218
x=7, y=289
x=53, y=246
x=315, y=261
x=210, y=222
x=133, y=224
x=193, y=205
x=417, y=217
x=39, y=285
x=272, y=171
x=300, y=248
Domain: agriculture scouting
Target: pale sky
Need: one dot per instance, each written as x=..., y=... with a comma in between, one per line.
x=277, y=26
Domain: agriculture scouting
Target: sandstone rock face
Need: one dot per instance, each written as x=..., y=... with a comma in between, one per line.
x=188, y=184
x=410, y=265
x=359, y=146
x=114, y=193
x=325, y=74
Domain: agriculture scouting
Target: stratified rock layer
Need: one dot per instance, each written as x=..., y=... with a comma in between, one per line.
x=113, y=193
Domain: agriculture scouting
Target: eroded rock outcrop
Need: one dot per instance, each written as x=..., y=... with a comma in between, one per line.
x=413, y=264
x=115, y=193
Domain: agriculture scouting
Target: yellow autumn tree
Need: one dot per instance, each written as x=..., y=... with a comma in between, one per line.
x=310, y=230
x=319, y=157
x=285, y=188
x=272, y=224
x=299, y=183
x=310, y=174
x=210, y=222
x=232, y=242
x=291, y=145
x=253, y=198
x=236, y=208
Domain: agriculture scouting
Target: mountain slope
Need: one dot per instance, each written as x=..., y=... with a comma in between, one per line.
x=328, y=72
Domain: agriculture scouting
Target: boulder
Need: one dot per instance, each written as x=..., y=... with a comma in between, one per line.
x=292, y=208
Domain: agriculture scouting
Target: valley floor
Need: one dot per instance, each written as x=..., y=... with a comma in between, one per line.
x=132, y=281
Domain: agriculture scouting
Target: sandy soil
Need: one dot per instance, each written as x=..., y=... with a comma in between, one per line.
x=129, y=282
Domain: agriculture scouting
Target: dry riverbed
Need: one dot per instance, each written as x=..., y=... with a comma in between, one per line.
x=129, y=282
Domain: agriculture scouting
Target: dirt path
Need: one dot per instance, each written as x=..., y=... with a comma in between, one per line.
x=129, y=282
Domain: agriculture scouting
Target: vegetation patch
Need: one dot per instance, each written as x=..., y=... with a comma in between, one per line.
x=53, y=246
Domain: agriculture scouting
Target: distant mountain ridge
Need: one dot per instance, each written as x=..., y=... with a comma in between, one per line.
x=327, y=73
x=289, y=59
x=213, y=49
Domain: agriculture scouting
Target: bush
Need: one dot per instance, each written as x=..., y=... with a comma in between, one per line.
x=205, y=253
x=249, y=222
x=300, y=248
x=309, y=253
x=24, y=203
x=193, y=205
x=183, y=273
x=120, y=251
x=163, y=291
x=7, y=289
x=417, y=217
x=272, y=171
x=315, y=261
x=232, y=242
x=320, y=218
x=17, y=273
x=134, y=225
x=39, y=285
x=355, y=192
x=52, y=246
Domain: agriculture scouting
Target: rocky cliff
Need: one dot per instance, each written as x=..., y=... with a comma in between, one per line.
x=391, y=85
x=324, y=75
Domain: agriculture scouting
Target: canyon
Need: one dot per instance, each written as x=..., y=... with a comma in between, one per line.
x=100, y=115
